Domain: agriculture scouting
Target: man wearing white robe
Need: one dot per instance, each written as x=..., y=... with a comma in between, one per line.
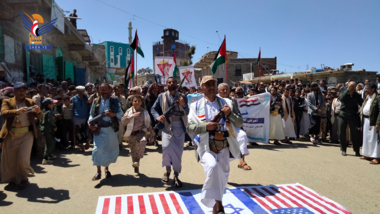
x=173, y=134
x=371, y=125
x=276, y=131
x=215, y=162
x=223, y=91
x=289, y=116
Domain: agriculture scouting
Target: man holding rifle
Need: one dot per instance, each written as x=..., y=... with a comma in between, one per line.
x=105, y=116
x=171, y=110
x=212, y=125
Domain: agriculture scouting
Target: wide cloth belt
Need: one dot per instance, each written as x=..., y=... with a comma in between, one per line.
x=17, y=132
x=217, y=145
x=365, y=116
x=175, y=118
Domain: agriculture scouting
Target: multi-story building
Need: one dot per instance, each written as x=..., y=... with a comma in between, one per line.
x=118, y=54
x=236, y=67
x=169, y=43
x=117, y=59
x=23, y=56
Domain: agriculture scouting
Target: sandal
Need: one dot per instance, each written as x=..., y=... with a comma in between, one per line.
x=374, y=161
x=97, y=176
x=365, y=158
x=177, y=182
x=23, y=184
x=165, y=178
x=244, y=165
x=10, y=186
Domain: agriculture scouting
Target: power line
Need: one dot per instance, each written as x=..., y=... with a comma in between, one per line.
x=152, y=22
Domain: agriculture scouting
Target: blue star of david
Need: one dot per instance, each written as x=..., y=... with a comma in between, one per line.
x=236, y=210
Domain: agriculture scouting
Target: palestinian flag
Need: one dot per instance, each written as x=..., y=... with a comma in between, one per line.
x=137, y=46
x=259, y=58
x=175, y=71
x=220, y=57
x=129, y=74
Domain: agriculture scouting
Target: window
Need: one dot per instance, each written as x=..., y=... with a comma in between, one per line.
x=112, y=60
x=120, y=51
x=177, y=34
x=187, y=48
x=180, y=55
x=128, y=51
x=238, y=70
x=173, y=33
x=111, y=49
x=142, y=82
x=167, y=33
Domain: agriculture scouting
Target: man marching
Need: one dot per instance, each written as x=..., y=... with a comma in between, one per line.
x=18, y=133
x=173, y=134
x=370, y=115
x=106, y=146
x=215, y=141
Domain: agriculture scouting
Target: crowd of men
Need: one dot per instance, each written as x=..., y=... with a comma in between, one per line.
x=36, y=119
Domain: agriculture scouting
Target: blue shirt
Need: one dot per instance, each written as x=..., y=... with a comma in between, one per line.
x=80, y=107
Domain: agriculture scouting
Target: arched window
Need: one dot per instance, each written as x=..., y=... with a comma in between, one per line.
x=120, y=51
x=111, y=49
x=128, y=51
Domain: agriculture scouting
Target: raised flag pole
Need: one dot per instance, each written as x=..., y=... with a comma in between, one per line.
x=136, y=67
x=226, y=60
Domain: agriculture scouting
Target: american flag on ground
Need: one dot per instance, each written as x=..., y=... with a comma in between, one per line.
x=275, y=199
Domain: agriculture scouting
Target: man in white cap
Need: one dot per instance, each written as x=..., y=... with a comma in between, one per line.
x=173, y=133
x=214, y=141
x=223, y=91
x=80, y=116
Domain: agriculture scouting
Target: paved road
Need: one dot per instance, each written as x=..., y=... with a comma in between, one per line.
x=66, y=186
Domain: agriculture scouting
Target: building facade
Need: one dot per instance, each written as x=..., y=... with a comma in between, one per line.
x=170, y=44
x=236, y=67
x=69, y=56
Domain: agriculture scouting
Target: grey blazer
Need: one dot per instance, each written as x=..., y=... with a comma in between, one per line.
x=311, y=101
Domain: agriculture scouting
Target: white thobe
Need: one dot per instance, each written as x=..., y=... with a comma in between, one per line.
x=215, y=165
x=370, y=146
x=276, y=128
x=288, y=124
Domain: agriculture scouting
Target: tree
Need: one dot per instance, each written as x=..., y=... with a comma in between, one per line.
x=184, y=63
x=190, y=54
x=143, y=71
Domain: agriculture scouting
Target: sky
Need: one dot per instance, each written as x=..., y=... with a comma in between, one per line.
x=300, y=33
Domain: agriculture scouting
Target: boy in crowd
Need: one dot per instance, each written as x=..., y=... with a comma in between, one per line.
x=67, y=124
x=48, y=127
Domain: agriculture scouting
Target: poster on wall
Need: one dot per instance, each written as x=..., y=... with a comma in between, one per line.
x=163, y=68
x=255, y=113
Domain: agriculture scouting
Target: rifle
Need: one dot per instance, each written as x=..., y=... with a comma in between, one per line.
x=171, y=110
x=98, y=120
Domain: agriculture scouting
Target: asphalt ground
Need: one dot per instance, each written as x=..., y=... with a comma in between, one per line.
x=66, y=186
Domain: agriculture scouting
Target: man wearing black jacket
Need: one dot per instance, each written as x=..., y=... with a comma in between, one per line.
x=299, y=104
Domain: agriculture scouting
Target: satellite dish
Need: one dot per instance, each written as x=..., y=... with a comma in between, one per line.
x=173, y=47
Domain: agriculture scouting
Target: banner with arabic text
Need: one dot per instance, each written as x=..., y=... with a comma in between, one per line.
x=255, y=113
